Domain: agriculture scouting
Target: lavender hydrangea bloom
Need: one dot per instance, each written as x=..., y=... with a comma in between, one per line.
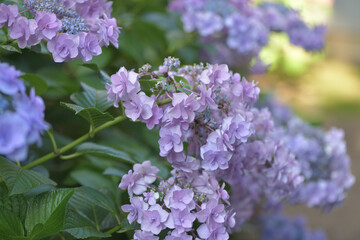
x=109, y=32
x=9, y=80
x=124, y=85
x=8, y=14
x=215, y=153
x=184, y=107
x=178, y=236
x=244, y=26
x=277, y=226
x=181, y=199
x=89, y=46
x=133, y=182
x=154, y=219
x=64, y=47
x=31, y=108
x=215, y=74
x=170, y=139
x=141, y=235
x=225, y=137
x=246, y=35
x=73, y=29
x=47, y=25
x=183, y=219
x=147, y=171
x=174, y=209
x=135, y=210
x=212, y=213
x=22, y=29
x=13, y=143
x=140, y=107
x=22, y=116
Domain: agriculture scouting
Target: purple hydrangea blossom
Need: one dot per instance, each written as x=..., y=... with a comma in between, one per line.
x=211, y=131
x=183, y=107
x=64, y=47
x=180, y=199
x=140, y=107
x=141, y=235
x=146, y=171
x=21, y=116
x=133, y=182
x=124, y=85
x=154, y=219
x=215, y=154
x=177, y=210
x=47, y=25
x=73, y=29
x=10, y=83
x=245, y=27
x=8, y=14
x=280, y=227
x=22, y=29
x=135, y=210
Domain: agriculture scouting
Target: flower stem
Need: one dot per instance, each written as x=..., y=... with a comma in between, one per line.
x=72, y=144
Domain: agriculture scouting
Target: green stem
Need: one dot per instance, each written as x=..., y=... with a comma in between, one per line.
x=49, y=132
x=70, y=156
x=114, y=229
x=164, y=102
x=72, y=144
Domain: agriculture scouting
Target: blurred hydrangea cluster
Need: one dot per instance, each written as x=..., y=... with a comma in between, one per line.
x=277, y=226
x=21, y=115
x=72, y=29
x=322, y=155
x=209, y=123
x=239, y=29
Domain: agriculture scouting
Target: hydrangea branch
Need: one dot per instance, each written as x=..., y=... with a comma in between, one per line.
x=72, y=144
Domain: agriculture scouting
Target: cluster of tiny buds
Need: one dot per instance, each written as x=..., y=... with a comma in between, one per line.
x=172, y=62
x=145, y=68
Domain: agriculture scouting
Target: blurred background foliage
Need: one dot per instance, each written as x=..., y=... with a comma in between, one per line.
x=322, y=87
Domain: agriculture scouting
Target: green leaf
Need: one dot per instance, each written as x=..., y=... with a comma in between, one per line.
x=46, y=213
x=115, y=172
x=79, y=227
x=11, y=227
x=16, y=203
x=91, y=104
x=97, y=198
x=94, y=148
x=103, y=75
x=92, y=179
x=91, y=214
x=19, y=180
x=10, y=48
x=37, y=82
x=94, y=116
x=91, y=98
x=91, y=66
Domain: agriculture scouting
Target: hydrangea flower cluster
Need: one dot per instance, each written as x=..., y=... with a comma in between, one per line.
x=277, y=226
x=72, y=29
x=207, y=122
x=245, y=27
x=322, y=155
x=189, y=205
x=21, y=115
